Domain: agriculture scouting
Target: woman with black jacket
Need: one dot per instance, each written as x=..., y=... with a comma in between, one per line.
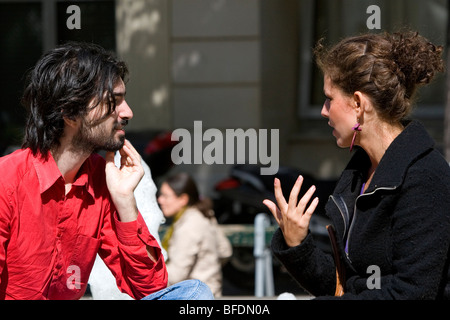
x=390, y=210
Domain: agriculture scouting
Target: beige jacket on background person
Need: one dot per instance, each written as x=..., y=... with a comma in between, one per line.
x=196, y=250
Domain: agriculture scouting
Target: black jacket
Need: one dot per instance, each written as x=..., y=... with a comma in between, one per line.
x=400, y=226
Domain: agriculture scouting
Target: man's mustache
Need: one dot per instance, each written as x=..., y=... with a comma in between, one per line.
x=120, y=125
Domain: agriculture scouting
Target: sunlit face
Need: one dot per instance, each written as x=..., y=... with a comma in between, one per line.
x=109, y=134
x=338, y=109
x=169, y=202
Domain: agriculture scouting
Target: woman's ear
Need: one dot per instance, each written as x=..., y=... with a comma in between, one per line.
x=362, y=103
x=184, y=198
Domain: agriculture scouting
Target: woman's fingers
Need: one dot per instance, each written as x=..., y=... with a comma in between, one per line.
x=293, y=196
x=293, y=205
x=309, y=212
x=305, y=200
x=293, y=216
x=274, y=210
x=279, y=196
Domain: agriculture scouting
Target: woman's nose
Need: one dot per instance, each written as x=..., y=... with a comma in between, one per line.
x=325, y=109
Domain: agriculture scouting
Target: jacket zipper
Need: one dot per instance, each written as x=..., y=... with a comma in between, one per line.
x=354, y=214
x=343, y=215
x=343, y=206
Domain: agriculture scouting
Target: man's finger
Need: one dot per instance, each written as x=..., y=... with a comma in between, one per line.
x=131, y=152
x=130, y=146
x=109, y=157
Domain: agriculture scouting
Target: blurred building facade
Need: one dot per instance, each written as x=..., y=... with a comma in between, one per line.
x=228, y=63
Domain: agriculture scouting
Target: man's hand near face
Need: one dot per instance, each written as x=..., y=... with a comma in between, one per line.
x=123, y=181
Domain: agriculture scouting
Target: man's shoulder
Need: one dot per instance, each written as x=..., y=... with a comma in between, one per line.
x=18, y=154
x=15, y=167
x=11, y=163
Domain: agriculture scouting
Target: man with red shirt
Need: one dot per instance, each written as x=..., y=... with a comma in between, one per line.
x=61, y=203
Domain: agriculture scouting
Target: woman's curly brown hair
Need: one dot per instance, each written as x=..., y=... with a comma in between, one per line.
x=387, y=67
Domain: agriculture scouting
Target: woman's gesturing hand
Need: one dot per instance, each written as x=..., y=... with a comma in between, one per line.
x=293, y=217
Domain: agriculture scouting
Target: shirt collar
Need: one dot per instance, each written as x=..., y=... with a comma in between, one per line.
x=48, y=173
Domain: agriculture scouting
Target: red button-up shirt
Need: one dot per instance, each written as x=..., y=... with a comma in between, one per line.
x=49, y=240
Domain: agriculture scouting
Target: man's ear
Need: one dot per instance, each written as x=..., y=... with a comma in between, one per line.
x=71, y=122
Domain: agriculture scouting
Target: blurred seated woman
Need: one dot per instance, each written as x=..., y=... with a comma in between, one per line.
x=196, y=247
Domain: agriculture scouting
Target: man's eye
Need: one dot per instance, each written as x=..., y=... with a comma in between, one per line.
x=118, y=99
x=113, y=101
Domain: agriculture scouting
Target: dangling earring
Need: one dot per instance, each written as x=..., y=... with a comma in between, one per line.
x=356, y=128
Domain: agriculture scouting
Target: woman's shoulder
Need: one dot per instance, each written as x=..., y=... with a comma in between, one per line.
x=430, y=173
x=192, y=215
x=432, y=163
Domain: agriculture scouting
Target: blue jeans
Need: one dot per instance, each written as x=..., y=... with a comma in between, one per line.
x=184, y=290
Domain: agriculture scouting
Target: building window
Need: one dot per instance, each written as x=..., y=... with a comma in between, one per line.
x=21, y=43
x=337, y=19
x=28, y=28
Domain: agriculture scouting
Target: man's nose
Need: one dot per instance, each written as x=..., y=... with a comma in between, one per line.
x=124, y=111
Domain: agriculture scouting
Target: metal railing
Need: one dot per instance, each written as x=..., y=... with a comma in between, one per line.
x=264, y=284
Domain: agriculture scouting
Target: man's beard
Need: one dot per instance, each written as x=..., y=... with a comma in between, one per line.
x=91, y=139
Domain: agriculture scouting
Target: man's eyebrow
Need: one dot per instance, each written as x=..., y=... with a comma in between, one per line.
x=120, y=94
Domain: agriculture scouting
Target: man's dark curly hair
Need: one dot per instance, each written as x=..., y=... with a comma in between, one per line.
x=68, y=82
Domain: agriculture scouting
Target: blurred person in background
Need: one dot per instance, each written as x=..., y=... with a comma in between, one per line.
x=196, y=246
